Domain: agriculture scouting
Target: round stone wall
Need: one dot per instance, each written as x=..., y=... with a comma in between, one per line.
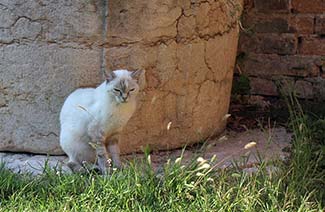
x=188, y=50
x=50, y=48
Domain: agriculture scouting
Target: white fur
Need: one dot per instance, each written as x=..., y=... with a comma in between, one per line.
x=90, y=110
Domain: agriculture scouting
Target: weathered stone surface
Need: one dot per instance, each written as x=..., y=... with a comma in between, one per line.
x=49, y=48
x=60, y=21
x=276, y=24
x=312, y=45
x=320, y=24
x=304, y=89
x=33, y=164
x=188, y=56
x=7, y=18
x=279, y=23
x=304, y=6
x=272, y=5
x=5, y=36
x=34, y=80
x=283, y=40
x=141, y=21
x=301, y=24
x=269, y=65
x=269, y=43
x=38, y=70
x=24, y=28
x=261, y=86
x=318, y=87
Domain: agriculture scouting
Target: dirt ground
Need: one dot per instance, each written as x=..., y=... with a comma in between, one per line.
x=228, y=147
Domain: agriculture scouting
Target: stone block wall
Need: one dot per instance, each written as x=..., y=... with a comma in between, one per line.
x=283, y=40
x=188, y=49
x=48, y=48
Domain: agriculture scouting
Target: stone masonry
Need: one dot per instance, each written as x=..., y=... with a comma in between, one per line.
x=283, y=41
x=48, y=48
x=188, y=50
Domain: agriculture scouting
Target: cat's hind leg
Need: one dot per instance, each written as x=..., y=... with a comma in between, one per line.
x=76, y=167
x=77, y=149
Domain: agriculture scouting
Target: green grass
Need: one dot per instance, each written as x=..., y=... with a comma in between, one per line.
x=192, y=187
x=297, y=184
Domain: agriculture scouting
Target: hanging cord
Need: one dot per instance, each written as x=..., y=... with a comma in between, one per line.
x=104, y=33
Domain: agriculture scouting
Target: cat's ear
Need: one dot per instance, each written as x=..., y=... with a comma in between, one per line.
x=110, y=76
x=137, y=74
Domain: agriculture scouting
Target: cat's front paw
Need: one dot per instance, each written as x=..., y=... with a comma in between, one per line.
x=104, y=164
x=76, y=167
x=117, y=164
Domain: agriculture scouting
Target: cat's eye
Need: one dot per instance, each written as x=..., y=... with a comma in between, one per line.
x=117, y=90
x=132, y=89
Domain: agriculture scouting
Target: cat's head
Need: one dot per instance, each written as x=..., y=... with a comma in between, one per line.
x=123, y=85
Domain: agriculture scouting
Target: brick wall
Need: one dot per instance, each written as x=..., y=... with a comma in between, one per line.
x=283, y=40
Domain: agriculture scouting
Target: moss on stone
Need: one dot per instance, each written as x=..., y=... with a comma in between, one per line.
x=241, y=85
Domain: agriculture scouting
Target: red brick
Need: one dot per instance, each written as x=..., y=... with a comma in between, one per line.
x=279, y=23
x=269, y=43
x=261, y=86
x=269, y=65
x=248, y=5
x=312, y=45
x=320, y=25
x=263, y=23
x=272, y=5
x=304, y=89
x=287, y=42
x=308, y=6
x=278, y=44
x=301, y=24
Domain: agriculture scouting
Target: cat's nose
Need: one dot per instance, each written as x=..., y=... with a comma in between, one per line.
x=124, y=98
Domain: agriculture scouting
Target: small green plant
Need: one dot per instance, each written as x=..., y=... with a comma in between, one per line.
x=241, y=85
x=306, y=164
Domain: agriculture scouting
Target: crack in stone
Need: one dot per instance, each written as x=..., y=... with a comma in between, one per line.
x=48, y=134
x=61, y=44
x=21, y=17
x=177, y=38
x=183, y=40
x=104, y=34
x=205, y=60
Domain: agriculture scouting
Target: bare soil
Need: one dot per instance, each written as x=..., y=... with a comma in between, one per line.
x=230, y=146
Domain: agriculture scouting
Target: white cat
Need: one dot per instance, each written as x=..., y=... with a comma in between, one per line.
x=98, y=115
